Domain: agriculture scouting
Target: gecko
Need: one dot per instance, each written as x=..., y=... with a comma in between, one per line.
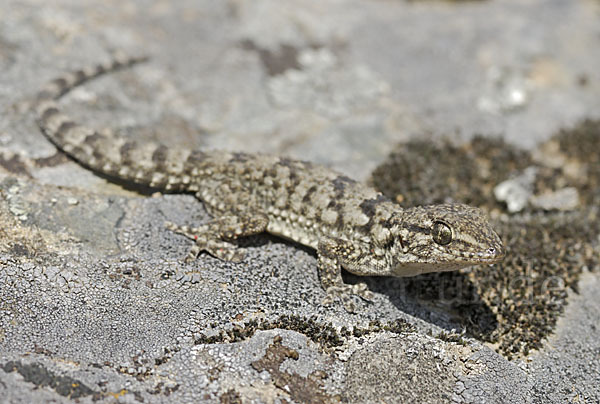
x=349, y=224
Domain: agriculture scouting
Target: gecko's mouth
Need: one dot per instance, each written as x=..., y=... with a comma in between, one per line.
x=492, y=255
x=454, y=262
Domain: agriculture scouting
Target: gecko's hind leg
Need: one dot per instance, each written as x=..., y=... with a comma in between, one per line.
x=214, y=237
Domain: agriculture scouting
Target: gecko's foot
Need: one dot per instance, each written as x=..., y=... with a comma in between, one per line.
x=184, y=230
x=345, y=292
x=217, y=248
x=206, y=240
x=214, y=236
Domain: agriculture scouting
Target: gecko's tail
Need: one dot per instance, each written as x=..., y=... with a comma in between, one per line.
x=63, y=84
x=114, y=156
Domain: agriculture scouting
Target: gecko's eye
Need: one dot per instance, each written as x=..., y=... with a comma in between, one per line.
x=442, y=233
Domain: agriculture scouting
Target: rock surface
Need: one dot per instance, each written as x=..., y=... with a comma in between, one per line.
x=95, y=305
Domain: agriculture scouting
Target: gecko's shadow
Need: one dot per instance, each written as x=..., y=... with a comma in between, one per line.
x=144, y=190
x=448, y=300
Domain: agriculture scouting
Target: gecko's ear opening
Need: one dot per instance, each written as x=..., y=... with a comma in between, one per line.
x=398, y=231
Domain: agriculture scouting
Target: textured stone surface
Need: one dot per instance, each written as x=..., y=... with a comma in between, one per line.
x=94, y=303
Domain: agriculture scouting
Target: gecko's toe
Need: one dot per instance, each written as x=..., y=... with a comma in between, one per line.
x=227, y=252
x=193, y=254
x=183, y=230
x=361, y=289
x=349, y=305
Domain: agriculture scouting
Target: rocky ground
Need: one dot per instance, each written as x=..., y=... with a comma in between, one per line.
x=493, y=103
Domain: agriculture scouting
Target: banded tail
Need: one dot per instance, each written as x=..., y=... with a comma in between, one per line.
x=148, y=164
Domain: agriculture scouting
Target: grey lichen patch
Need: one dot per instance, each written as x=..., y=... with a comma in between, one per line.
x=69, y=224
x=70, y=213
x=19, y=240
x=300, y=389
x=514, y=305
x=18, y=237
x=37, y=374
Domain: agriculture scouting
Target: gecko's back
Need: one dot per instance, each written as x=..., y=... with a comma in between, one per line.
x=286, y=189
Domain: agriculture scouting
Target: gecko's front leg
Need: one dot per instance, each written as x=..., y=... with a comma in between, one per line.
x=214, y=237
x=332, y=253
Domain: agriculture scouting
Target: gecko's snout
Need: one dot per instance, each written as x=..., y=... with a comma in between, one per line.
x=495, y=253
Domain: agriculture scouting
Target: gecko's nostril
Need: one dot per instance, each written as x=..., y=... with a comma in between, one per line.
x=497, y=253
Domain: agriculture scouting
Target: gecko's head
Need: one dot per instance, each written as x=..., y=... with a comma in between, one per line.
x=444, y=238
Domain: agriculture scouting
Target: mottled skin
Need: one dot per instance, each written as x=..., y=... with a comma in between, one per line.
x=350, y=225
